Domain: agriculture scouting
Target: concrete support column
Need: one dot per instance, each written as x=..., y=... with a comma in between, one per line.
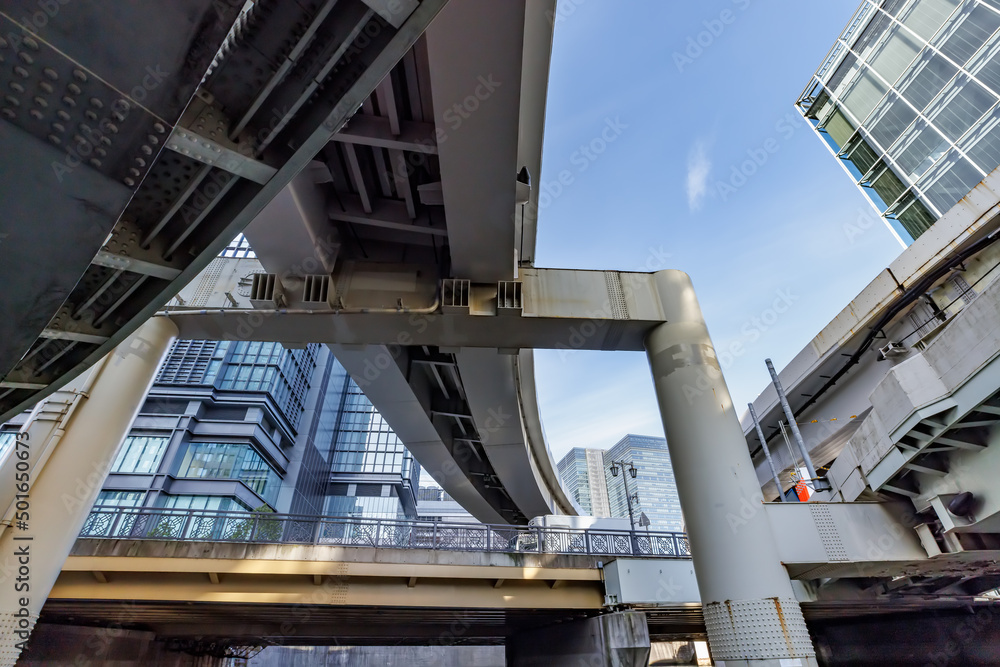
x=620, y=639
x=56, y=496
x=751, y=613
x=39, y=435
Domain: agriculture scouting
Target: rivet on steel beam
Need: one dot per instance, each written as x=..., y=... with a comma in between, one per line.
x=16, y=87
x=69, y=101
x=96, y=103
x=134, y=171
x=129, y=182
x=25, y=57
x=146, y=150
x=50, y=73
x=79, y=75
x=54, y=139
x=95, y=162
x=46, y=86
x=36, y=114
x=73, y=88
x=90, y=114
x=21, y=72
x=30, y=43
x=13, y=101
x=62, y=115
x=159, y=128
x=58, y=127
x=9, y=113
x=41, y=101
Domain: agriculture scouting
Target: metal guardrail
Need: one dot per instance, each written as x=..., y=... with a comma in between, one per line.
x=145, y=523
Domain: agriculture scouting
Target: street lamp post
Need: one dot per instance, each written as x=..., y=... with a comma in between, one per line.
x=628, y=496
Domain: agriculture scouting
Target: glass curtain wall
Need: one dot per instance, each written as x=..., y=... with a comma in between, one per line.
x=907, y=99
x=214, y=460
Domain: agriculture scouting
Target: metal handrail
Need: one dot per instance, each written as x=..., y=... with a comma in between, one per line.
x=152, y=523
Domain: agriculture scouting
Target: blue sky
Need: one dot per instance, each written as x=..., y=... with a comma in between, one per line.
x=663, y=193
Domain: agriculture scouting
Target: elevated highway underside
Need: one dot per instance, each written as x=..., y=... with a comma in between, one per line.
x=147, y=136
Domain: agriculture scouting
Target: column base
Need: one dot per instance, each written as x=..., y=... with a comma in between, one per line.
x=15, y=629
x=761, y=633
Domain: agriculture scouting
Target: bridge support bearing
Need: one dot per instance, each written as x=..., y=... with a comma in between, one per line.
x=60, y=489
x=751, y=613
x=620, y=639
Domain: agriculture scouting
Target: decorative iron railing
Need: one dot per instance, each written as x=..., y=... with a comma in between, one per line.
x=146, y=523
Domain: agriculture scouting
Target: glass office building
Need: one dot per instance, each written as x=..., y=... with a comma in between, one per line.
x=907, y=99
x=251, y=425
x=654, y=482
x=582, y=474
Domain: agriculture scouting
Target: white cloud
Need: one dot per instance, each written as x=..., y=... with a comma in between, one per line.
x=698, y=168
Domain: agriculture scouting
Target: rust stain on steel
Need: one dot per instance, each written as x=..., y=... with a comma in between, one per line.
x=729, y=606
x=784, y=626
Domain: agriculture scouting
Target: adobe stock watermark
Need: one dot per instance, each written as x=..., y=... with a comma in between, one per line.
x=578, y=336
x=758, y=156
x=750, y=332
x=703, y=40
x=564, y=10
x=863, y=221
x=581, y=159
x=47, y=10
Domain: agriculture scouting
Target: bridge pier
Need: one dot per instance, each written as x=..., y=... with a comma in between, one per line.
x=620, y=639
x=61, y=482
x=751, y=613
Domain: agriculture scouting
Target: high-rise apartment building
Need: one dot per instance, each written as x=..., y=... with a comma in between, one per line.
x=653, y=484
x=907, y=99
x=248, y=425
x=582, y=474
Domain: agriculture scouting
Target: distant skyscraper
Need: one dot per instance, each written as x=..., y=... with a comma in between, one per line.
x=654, y=482
x=582, y=473
x=907, y=99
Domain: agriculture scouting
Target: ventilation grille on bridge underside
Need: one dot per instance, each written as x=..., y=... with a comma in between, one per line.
x=509, y=298
x=316, y=291
x=266, y=291
x=455, y=295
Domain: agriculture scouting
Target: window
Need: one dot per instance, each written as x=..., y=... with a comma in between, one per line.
x=961, y=104
x=918, y=148
x=107, y=499
x=863, y=93
x=7, y=439
x=207, y=503
x=140, y=454
x=950, y=180
x=967, y=31
x=894, y=55
x=925, y=17
x=213, y=460
x=926, y=77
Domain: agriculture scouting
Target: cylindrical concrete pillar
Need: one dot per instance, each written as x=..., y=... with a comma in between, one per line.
x=40, y=433
x=751, y=613
x=53, y=499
